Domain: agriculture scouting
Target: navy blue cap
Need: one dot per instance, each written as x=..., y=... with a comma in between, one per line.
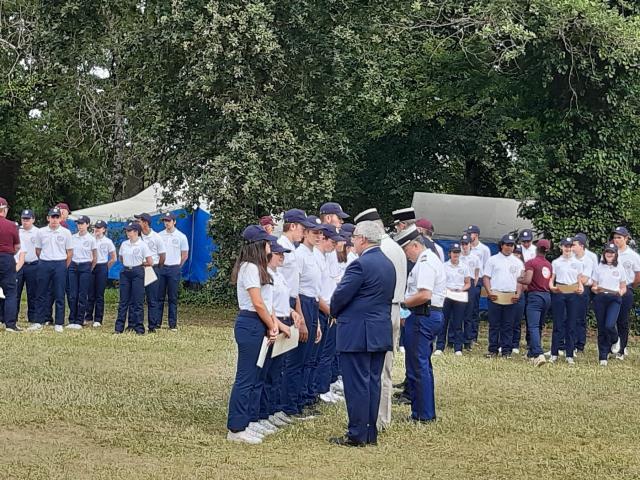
x=566, y=242
x=313, y=223
x=83, y=219
x=610, y=247
x=295, y=215
x=333, y=208
x=517, y=249
x=332, y=232
x=130, y=226
x=474, y=229
x=526, y=235
x=621, y=231
x=277, y=248
x=465, y=238
x=455, y=247
x=347, y=229
x=255, y=233
x=100, y=224
x=54, y=212
x=580, y=237
x=27, y=214
x=144, y=216
x=167, y=216
x=508, y=239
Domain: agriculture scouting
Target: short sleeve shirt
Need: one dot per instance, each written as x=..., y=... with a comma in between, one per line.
x=105, y=248
x=609, y=277
x=9, y=236
x=156, y=245
x=281, y=305
x=310, y=273
x=428, y=274
x=503, y=270
x=289, y=269
x=53, y=243
x=567, y=270
x=83, y=247
x=249, y=277
x=28, y=243
x=630, y=260
x=134, y=254
x=542, y=271
x=175, y=243
x=456, y=274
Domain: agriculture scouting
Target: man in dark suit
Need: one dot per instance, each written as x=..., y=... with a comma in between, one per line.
x=362, y=305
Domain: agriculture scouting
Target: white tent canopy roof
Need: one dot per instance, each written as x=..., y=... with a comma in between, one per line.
x=147, y=201
x=451, y=214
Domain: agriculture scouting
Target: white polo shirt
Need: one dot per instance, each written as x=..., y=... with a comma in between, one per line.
x=156, y=245
x=105, y=248
x=54, y=243
x=473, y=262
x=428, y=274
x=28, y=243
x=456, y=274
x=134, y=254
x=289, y=269
x=249, y=277
x=587, y=266
x=609, y=277
x=310, y=272
x=281, y=305
x=630, y=261
x=503, y=270
x=567, y=269
x=174, y=243
x=83, y=247
x=483, y=252
x=529, y=253
x=594, y=258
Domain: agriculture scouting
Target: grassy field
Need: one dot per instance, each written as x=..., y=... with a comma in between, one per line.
x=90, y=405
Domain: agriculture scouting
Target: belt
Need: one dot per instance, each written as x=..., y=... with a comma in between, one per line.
x=176, y=265
x=424, y=309
x=31, y=263
x=131, y=268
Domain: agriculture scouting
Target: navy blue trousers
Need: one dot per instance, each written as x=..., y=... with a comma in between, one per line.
x=10, y=288
x=538, y=304
x=420, y=332
x=131, y=300
x=28, y=277
x=501, y=327
x=249, y=331
x=474, y=294
x=154, y=314
x=607, y=308
x=581, y=321
x=310, y=349
x=287, y=403
x=623, y=317
x=270, y=398
x=361, y=373
x=52, y=283
x=79, y=279
x=564, y=308
x=325, y=374
x=451, y=332
x=95, y=299
x=168, y=283
x=517, y=321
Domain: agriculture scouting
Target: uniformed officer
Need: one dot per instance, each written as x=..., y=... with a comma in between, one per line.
x=28, y=274
x=426, y=289
x=458, y=280
x=580, y=254
x=425, y=227
x=565, y=306
x=106, y=251
x=54, y=250
x=177, y=252
x=526, y=243
x=403, y=218
x=83, y=260
x=501, y=274
x=474, y=263
x=9, y=246
x=609, y=287
x=630, y=260
x=253, y=323
x=134, y=255
x=158, y=254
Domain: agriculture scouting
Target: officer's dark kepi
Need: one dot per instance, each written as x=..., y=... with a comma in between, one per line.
x=255, y=233
x=144, y=216
x=27, y=214
x=369, y=215
x=406, y=236
x=403, y=215
x=332, y=208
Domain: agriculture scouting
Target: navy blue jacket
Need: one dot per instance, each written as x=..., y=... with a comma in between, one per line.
x=362, y=304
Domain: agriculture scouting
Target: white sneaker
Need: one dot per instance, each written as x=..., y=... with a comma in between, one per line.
x=553, y=359
x=173, y=329
x=97, y=324
x=603, y=363
x=243, y=437
x=337, y=397
x=571, y=361
x=58, y=328
x=515, y=351
x=268, y=426
x=437, y=353
x=626, y=350
x=74, y=326
x=35, y=327
x=619, y=356
x=615, y=348
x=547, y=354
x=539, y=360
x=458, y=353
x=13, y=330
x=257, y=428
x=277, y=422
x=561, y=353
x=401, y=349
x=254, y=433
x=283, y=417
x=327, y=397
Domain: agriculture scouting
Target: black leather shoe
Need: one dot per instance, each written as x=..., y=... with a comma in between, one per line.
x=345, y=442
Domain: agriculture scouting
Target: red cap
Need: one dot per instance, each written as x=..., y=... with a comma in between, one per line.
x=267, y=220
x=544, y=243
x=424, y=223
x=3, y=203
x=63, y=205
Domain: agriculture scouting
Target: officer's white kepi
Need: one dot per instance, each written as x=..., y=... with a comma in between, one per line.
x=403, y=215
x=405, y=237
x=369, y=215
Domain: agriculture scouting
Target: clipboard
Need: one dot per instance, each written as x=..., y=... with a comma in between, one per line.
x=149, y=276
x=504, y=298
x=573, y=288
x=284, y=344
x=462, y=297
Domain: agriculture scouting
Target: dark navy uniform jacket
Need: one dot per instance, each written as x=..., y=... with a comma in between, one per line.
x=362, y=304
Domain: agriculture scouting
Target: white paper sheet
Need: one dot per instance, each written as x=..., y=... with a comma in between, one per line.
x=284, y=344
x=462, y=297
x=149, y=276
x=264, y=349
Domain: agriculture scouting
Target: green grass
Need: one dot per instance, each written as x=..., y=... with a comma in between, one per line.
x=92, y=405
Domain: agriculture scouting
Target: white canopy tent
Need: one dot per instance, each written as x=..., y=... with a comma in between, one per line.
x=451, y=214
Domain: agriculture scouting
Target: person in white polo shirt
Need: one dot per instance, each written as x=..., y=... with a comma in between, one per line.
x=158, y=253
x=83, y=260
x=54, y=250
x=176, y=253
x=100, y=275
x=28, y=274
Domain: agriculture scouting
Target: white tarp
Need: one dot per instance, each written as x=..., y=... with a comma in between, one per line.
x=451, y=214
